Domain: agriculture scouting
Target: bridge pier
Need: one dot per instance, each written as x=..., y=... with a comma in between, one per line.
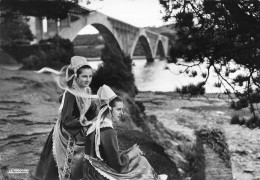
x=39, y=29
x=150, y=60
x=53, y=28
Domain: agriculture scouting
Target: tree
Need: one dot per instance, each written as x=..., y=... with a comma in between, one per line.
x=52, y=9
x=115, y=72
x=219, y=32
x=14, y=29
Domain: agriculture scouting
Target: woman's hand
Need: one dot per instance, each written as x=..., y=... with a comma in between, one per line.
x=134, y=151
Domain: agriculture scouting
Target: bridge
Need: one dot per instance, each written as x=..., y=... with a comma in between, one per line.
x=117, y=34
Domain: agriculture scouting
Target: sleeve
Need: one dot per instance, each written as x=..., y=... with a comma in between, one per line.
x=70, y=122
x=92, y=111
x=118, y=161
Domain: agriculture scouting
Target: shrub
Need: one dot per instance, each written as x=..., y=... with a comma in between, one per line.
x=242, y=103
x=255, y=97
x=227, y=73
x=253, y=122
x=54, y=52
x=218, y=84
x=204, y=75
x=192, y=90
x=235, y=120
x=31, y=62
x=194, y=73
x=14, y=29
x=216, y=139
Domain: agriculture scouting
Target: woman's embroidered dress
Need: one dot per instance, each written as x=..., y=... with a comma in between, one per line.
x=58, y=156
x=115, y=165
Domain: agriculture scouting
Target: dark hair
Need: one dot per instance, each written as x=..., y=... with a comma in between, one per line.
x=79, y=71
x=112, y=104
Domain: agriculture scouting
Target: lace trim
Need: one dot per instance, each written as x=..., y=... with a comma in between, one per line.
x=83, y=103
x=68, y=159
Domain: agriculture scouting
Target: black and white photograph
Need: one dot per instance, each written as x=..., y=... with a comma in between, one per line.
x=130, y=89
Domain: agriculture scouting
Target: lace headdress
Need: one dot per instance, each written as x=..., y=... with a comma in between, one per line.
x=83, y=96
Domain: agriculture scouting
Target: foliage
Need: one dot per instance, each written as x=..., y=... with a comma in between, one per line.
x=51, y=9
x=14, y=29
x=252, y=122
x=191, y=90
x=194, y=73
x=116, y=72
x=204, y=75
x=218, y=32
x=216, y=139
x=242, y=103
x=235, y=120
x=54, y=52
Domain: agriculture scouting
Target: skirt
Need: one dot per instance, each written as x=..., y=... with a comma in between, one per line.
x=139, y=169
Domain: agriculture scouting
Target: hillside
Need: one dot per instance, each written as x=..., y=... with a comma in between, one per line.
x=88, y=45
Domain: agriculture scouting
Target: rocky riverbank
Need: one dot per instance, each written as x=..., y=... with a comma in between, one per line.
x=181, y=117
x=28, y=105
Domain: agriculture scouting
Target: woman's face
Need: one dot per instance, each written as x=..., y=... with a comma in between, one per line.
x=85, y=77
x=117, y=110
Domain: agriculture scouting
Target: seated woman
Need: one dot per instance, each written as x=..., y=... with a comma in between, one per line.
x=62, y=154
x=102, y=158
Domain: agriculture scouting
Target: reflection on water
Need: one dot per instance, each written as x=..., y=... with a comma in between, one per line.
x=160, y=76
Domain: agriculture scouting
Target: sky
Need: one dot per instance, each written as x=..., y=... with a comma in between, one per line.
x=140, y=13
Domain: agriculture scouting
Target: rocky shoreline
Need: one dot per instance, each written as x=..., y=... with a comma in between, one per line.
x=180, y=118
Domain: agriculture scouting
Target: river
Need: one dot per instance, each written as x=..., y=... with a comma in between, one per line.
x=162, y=76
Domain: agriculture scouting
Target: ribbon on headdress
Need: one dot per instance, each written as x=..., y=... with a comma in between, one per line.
x=105, y=95
x=83, y=97
x=64, y=85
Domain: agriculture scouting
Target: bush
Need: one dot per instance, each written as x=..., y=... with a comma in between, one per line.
x=242, y=103
x=253, y=122
x=218, y=84
x=216, y=139
x=192, y=90
x=194, y=73
x=14, y=30
x=204, y=75
x=235, y=120
x=54, y=52
x=31, y=62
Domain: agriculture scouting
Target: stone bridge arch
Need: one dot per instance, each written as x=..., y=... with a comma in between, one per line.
x=145, y=42
x=160, y=49
x=97, y=20
x=116, y=33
